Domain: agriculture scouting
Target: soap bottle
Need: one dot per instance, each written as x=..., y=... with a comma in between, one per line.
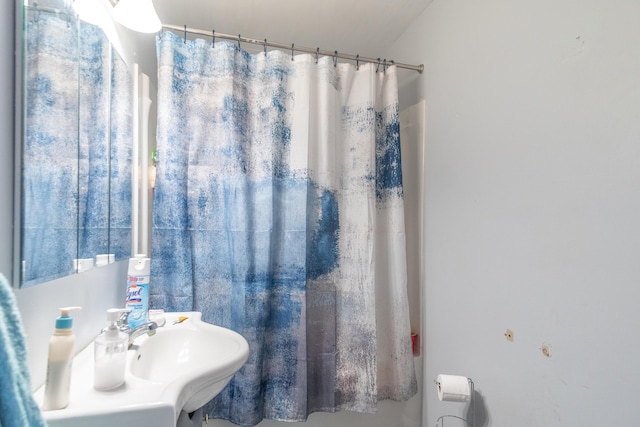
x=56, y=389
x=138, y=290
x=110, y=354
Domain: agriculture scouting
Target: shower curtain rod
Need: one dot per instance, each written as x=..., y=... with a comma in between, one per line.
x=265, y=43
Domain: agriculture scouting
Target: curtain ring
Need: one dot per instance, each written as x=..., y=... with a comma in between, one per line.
x=213, y=39
x=292, y=45
x=317, y=53
x=335, y=58
x=384, y=67
x=378, y=66
x=265, y=47
x=239, y=47
x=357, y=62
x=185, y=33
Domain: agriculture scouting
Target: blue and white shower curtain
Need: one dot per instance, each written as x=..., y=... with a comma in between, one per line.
x=278, y=212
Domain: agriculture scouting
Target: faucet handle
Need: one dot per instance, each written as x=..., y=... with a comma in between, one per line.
x=123, y=318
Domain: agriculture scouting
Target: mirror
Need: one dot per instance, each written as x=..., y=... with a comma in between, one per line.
x=76, y=148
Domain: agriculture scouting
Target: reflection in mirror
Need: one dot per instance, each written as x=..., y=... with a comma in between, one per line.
x=121, y=159
x=94, y=62
x=50, y=152
x=76, y=156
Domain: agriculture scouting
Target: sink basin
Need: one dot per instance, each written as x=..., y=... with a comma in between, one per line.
x=179, y=369
x=194, y=355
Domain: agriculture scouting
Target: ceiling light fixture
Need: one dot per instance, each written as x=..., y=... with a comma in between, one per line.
x=90, y=11
x=138, y=15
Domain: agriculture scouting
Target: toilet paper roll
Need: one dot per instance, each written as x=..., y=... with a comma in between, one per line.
x=453, y=388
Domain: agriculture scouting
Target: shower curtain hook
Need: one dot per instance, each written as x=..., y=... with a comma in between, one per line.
x=317, y=53
x=213, y=38
x=378, y=66
x=384, y=67
x=357, y=62
x=239, y=48
x=335, y=58
x=185, y=33
x=265, y=47
x=292, y=46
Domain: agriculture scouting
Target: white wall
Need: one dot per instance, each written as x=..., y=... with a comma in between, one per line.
x=532, y=217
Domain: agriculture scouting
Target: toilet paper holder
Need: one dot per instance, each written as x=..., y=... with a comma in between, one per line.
x=468, y=421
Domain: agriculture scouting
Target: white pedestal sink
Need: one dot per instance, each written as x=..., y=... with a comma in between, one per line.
x=180, y=368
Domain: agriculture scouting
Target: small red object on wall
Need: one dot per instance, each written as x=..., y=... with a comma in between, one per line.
x=415, y=343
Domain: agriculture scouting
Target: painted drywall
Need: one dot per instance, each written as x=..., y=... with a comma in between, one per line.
x=532, y=206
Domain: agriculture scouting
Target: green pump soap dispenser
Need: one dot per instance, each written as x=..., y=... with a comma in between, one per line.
x=56, y=390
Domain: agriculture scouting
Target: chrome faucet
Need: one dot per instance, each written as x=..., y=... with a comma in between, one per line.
x=148, y=328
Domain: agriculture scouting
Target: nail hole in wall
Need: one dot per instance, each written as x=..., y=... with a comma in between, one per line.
x=546, y=350
x=509, y=335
